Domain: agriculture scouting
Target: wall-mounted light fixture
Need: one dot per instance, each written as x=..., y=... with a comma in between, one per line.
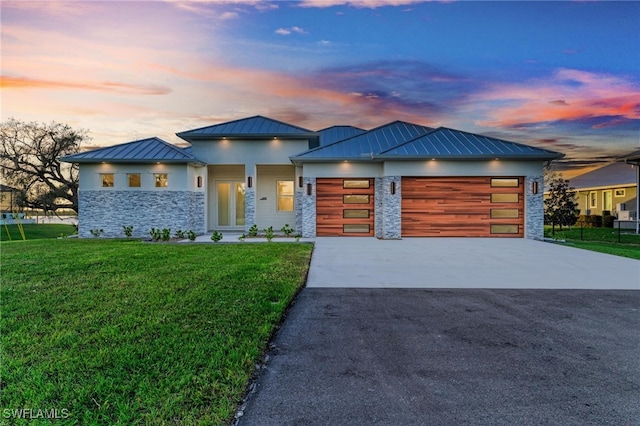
x=393, y=188
x=250, y=181
x=309, y=189
x=534, y=187
x=199, y=181
x=300, y=181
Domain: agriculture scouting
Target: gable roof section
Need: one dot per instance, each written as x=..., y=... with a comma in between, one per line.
x=148, y=150
x=366, y=145
x=445, y=143
x=609, y=176
x=257, y=127
x=337, y=133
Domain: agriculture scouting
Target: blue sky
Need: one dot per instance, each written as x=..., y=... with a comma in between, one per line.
x=560, y=75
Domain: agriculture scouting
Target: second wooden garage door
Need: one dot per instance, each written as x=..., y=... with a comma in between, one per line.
x=345, y=207
x=462, y=207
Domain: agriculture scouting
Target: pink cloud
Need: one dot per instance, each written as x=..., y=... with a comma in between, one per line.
x=566, y=95
x=7, y=82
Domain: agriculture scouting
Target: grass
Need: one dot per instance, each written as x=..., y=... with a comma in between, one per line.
x=604, y=240
x=35, y=231
x=125, y=332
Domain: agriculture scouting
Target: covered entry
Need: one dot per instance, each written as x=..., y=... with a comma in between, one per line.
x=462, y=207
x=345, y=207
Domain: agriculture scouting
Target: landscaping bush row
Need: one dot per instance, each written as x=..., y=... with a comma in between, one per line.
x=595, y=221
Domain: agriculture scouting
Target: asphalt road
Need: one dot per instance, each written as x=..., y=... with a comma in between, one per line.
x=452, y=357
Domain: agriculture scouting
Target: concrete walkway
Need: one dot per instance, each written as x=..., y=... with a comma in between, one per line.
x=466, y=263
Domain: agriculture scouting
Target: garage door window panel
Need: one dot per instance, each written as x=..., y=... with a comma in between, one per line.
x=505, y=198
x=355, y=199
x=356, y=228
x=355, y=214
x=356, y=184
x=505, y=182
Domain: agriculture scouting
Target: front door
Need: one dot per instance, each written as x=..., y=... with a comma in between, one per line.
x=230, y=205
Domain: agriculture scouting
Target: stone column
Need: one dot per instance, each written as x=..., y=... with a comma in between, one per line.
x=298, y=199
x=389, y=211
x=250, y=170
x=533, y=208
x=309, y=208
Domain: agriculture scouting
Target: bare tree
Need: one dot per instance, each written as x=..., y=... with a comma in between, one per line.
x=30, y=160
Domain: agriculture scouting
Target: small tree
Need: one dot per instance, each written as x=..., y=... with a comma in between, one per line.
x=30, y=160
x=560, y=206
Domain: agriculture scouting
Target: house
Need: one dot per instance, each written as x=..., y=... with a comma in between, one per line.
x=611, y=188
x=397, y=180
x=8, y=199
x=634, y=159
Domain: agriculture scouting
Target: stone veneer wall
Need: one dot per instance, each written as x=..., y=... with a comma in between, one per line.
x=297, y=202
x=308, y=208
x=111, y=210
x=534, y=208
x=249, y=207
x=391, y=213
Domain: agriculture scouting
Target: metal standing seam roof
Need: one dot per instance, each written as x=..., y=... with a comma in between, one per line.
x=337, y=133
x=367, y=144
x=140, y=151
x=445, y=143
x=611, y=175
x=257, y=127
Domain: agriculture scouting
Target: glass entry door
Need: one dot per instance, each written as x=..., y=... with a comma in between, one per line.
x=230, y=203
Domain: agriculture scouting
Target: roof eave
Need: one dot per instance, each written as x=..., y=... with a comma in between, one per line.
x=131, y=161
x=470, y=157
x=251, y=136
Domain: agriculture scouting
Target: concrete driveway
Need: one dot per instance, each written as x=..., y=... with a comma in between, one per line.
x=466, y=263
x=399, y=333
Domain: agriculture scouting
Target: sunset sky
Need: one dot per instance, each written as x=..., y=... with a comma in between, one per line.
x=559, y=75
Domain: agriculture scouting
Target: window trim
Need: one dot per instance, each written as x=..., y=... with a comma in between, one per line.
x=593, y=200
x=620, y=192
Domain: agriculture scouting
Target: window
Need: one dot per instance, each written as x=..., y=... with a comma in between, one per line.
x=361, y=184
x=355, y=213
x=504, y=229
x=161, y=179
x=505, y=182
x=504, y=213
x=355, y=199
x=134, y=180
x=593, y=200
x=619, y=193
x=107, y=180
x=504, y=198
x=356, y=229
x=285, y=195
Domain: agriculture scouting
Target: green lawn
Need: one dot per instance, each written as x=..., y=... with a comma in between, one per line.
x=35, y=231
x=605, y=240
x=126, y=332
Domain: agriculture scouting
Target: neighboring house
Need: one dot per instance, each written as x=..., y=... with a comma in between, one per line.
x=609, y=188
x=8, y=202
x=634, y=159
x=393, y=181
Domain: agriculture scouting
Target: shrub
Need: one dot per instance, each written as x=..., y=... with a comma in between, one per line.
x=216, y=236
x=96, y=232
x=268, y=233
x=287, y=230
x=253, y=231
x=128, y=231
x=156, y=234
x=607, y=221
x=191, y=235
x=589, y=221
x=179, y=234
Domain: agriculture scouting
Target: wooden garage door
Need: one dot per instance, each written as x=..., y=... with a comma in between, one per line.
x=345, y=207
x=462, y=207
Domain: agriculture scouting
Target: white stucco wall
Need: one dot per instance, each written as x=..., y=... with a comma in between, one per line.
x=181, y=177
x=264, y=151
